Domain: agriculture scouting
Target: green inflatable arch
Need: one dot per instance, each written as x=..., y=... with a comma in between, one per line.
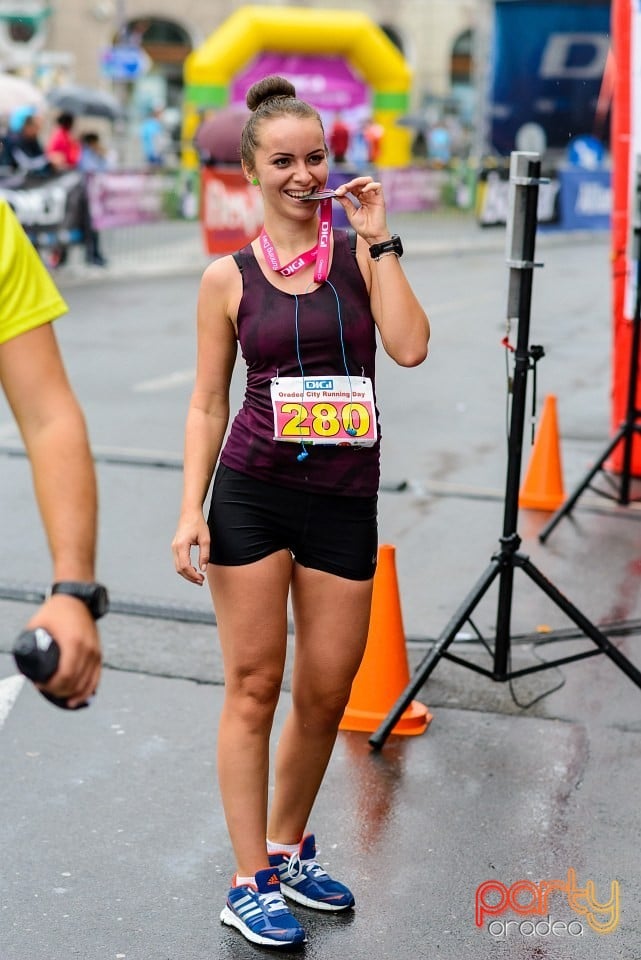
x=210, y=70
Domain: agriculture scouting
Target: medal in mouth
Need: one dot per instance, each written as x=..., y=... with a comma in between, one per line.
x=319, y=195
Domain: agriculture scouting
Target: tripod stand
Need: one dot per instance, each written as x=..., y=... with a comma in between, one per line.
x=524, y=183
x=632, y=423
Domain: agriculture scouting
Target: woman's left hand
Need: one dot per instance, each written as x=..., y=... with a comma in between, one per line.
x=369, y=218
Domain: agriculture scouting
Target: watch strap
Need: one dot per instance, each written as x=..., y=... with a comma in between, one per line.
x=93, y=595
x=393, y=245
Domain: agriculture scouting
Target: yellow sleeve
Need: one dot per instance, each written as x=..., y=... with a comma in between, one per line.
x=28, y=295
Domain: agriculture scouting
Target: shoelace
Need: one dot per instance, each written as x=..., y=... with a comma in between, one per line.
x=272, y=902
x=296, y=866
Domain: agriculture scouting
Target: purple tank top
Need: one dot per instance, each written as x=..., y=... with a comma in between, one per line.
x=268, y=341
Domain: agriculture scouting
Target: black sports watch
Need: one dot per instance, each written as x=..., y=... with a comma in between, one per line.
x=94, y=595
x=393, y=245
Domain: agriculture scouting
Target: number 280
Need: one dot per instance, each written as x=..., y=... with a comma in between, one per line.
x=326, y=419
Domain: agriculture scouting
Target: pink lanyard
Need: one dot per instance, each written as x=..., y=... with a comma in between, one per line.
x=318, y=253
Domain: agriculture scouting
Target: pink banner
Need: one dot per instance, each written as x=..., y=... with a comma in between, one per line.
x=122, y=199
x=328, y=83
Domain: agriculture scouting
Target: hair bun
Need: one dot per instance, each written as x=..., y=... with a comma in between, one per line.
x=268, y=89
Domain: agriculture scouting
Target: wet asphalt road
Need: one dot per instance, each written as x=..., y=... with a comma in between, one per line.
x=112, y=837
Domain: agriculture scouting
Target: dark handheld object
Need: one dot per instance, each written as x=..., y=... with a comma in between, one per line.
x=37, y=655
x=320, y=195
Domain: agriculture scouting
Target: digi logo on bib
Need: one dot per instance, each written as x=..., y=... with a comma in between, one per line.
x=319, y=384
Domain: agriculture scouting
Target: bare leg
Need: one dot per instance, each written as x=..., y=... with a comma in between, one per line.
x=332, y=619
x=251, y=610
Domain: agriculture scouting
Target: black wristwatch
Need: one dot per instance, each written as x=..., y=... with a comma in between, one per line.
x=94, y=595
x=393, y=245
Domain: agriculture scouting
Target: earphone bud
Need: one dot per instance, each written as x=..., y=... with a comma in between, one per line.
x=302, y=455
x=351, y=431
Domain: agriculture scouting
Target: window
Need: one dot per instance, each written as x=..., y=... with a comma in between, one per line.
x=461, y=61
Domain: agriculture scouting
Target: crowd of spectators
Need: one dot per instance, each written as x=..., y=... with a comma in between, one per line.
x=25, y=158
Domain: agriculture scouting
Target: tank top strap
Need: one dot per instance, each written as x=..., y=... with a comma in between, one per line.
x=244, y=258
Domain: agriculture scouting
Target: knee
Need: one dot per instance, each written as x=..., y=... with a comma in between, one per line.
x=253, y=697
x=321, y=711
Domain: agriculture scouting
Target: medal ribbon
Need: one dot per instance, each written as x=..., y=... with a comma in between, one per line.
x=318, y=254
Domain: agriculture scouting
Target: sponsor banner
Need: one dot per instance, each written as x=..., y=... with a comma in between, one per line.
x=120, y=198
x=51, y=210
x=585, y=199
x=410, y=189
x=547, y=66
x=493, y=198
x=231, y=210
x=111, y=199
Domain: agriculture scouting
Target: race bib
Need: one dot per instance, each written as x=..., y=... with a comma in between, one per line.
x=324, y=410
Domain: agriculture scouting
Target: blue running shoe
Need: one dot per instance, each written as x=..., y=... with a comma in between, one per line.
x=261, y=914
x=303, y=879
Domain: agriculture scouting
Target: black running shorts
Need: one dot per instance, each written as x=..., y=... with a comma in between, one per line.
x=250, y=519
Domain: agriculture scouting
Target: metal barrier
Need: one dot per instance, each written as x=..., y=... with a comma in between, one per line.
x=165, y=245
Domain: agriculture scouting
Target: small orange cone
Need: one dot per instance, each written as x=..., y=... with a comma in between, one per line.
x=384, y=670
x=542, y=488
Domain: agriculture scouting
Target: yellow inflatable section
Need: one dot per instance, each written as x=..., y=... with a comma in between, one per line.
x=251, y=30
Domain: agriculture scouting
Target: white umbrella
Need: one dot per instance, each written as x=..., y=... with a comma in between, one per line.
x=16, y=92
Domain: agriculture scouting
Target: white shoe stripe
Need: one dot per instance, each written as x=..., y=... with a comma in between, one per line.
x=250, y=910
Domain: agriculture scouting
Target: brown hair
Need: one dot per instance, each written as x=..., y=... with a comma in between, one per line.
x=268, y=98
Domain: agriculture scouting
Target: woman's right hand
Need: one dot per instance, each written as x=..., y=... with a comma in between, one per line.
x=192, y=531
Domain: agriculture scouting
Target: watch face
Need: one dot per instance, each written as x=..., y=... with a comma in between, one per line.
x=99, y=601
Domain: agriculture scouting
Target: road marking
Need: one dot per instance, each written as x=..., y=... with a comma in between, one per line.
x=9, y=691
x=175, y=379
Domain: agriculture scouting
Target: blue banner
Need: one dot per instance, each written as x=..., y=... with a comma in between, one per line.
x=548, y=60
x=586, y=199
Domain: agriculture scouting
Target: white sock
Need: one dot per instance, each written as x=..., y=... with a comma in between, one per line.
x=282, y=847
x=243, y=881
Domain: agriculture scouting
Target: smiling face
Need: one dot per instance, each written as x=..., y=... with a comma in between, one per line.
x=290, y=162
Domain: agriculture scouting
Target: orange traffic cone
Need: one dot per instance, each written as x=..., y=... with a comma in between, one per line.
x=542, y=488
x=384, y=671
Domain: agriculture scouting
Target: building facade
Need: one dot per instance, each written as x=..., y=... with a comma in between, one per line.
x=55, y=40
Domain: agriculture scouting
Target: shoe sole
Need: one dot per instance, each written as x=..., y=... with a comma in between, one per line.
x=229, y=918
x=304, y=901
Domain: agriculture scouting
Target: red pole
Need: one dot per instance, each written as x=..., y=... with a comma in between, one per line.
x=622, y=156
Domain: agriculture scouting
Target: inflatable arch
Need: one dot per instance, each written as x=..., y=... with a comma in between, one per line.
x=252, y=30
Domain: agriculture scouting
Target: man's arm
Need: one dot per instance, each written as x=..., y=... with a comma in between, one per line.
x=54, y=432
